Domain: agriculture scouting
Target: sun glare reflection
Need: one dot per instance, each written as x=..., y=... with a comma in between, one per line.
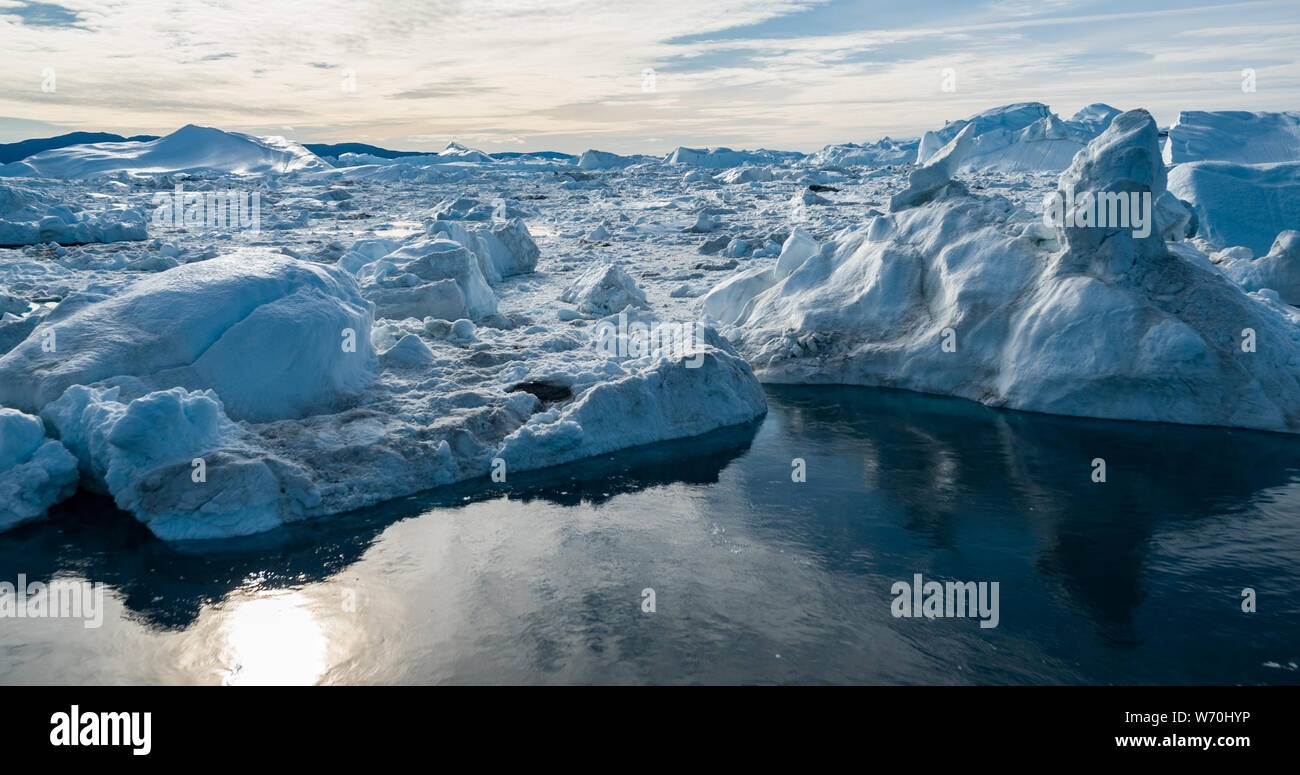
x=273, y=640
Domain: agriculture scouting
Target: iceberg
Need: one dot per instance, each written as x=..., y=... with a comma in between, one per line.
x=428, y=278
x=1278, y=271
x=192, y=149
x=1233, y=136
x=603, y=160
x=502, y=248
x=178, y=463
x=35, y=472
x=1021, y=137
x=268, y=333
x=882, y=153
x=970, y=296
x=604, y=289
x=1240, y=204
x=719, y=158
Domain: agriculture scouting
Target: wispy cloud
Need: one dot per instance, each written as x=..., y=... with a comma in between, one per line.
x=566, y=74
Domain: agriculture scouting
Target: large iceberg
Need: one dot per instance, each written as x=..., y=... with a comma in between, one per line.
x=592, y=159
x=504, y=248
x=181, y=465
x=237, y=393
x=884, y=152
x=721, y=158
x=273, y=336
x=454, y=153
x=189, y=149
x=1234, y=136
x=1025, y=136
x=1240, y=204
x=971, y=296
x=176, y=460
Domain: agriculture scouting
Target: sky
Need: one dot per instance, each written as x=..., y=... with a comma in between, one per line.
x=566, y=75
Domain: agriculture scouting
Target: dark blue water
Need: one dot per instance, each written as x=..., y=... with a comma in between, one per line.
x=756, y=578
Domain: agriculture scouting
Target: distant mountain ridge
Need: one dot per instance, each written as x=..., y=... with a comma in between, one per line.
x=334, y=149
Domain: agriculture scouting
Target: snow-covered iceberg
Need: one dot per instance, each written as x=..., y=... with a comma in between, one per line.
x=273, y=336
x=192, y=149
x=592, y=159
x=688, y=395
x=240, y=392
x=603, y=289
x=503, y=248
x=720, y=158
x=428, y=278
x=454, y=153
x=1234, y=136
x=1240, y=204
x=970, y=296
x=181, y=465
x=1025, y=136
x=176, y=460
x=881, y=153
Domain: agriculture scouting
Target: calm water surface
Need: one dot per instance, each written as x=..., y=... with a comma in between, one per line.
x=757, y=579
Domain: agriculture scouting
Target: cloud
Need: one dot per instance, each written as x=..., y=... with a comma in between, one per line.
x=779, y=73
x=36, y=14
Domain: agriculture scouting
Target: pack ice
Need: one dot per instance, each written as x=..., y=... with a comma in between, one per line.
x=229, y=388
x=401, y=324
x=967, y=295
x=30, y=216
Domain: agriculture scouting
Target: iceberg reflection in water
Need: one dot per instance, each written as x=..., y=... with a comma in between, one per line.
x=756, y=578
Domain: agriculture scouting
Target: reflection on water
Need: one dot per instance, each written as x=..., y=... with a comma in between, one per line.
x=272, y=639
x=756, y=578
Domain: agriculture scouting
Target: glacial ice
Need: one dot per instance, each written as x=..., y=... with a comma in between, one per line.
x=503, y=248
x=603, y=290
x=265, y=331
x=189, y=149
x=403, y=324
x=602, y=160
x=964, y=295
x=428, y=278
x=1240, y=204
x=1235, y=136
x=178, y=463
x=881, y=153
x=1021, y=137
x=35, y=472
x=1278, y=271
x=30, y=217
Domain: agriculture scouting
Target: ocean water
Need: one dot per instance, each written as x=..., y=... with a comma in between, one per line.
x=756, y=578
